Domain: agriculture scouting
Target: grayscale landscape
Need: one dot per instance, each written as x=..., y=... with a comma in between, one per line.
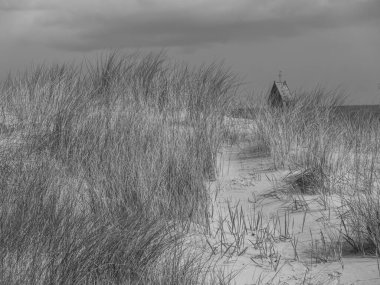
x=211, y=142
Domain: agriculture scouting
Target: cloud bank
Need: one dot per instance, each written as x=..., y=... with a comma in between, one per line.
x=96, y=24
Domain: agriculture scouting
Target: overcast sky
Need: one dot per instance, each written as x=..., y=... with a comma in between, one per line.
x=333, y=43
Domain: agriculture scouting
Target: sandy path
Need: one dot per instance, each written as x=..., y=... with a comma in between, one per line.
x=253, y=257
x=248, y=180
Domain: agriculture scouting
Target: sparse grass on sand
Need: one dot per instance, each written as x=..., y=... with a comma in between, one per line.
x=333, y=155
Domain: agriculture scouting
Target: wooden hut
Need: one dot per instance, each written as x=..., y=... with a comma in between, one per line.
x=280, y=95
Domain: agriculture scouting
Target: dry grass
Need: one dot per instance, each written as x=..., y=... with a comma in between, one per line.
x=108, y=171
x=329, y=154
x=103, y=172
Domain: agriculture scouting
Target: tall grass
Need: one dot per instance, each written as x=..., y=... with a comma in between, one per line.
x=304, y=124
x=335, y=154
x=109, y=169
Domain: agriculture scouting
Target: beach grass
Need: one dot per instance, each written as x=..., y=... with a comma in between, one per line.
x=104, y=170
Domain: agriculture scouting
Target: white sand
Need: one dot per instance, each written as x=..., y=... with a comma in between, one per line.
x=249, y=181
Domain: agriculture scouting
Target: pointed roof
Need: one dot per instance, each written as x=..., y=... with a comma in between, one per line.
x=284, y=91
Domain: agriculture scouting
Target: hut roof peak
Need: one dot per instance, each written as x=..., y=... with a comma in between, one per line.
x=283, y=89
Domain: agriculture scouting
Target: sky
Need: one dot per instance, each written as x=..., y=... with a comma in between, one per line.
x=327, y=43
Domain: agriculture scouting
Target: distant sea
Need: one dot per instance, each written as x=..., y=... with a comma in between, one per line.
x=350, y=110
x=374, y=109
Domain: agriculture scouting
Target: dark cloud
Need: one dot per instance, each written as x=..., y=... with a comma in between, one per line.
x=183, y=32
x=25, y=5
x=197, y=25
x=368, y=10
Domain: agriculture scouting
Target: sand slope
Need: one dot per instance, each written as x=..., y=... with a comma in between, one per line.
x=259, y=250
